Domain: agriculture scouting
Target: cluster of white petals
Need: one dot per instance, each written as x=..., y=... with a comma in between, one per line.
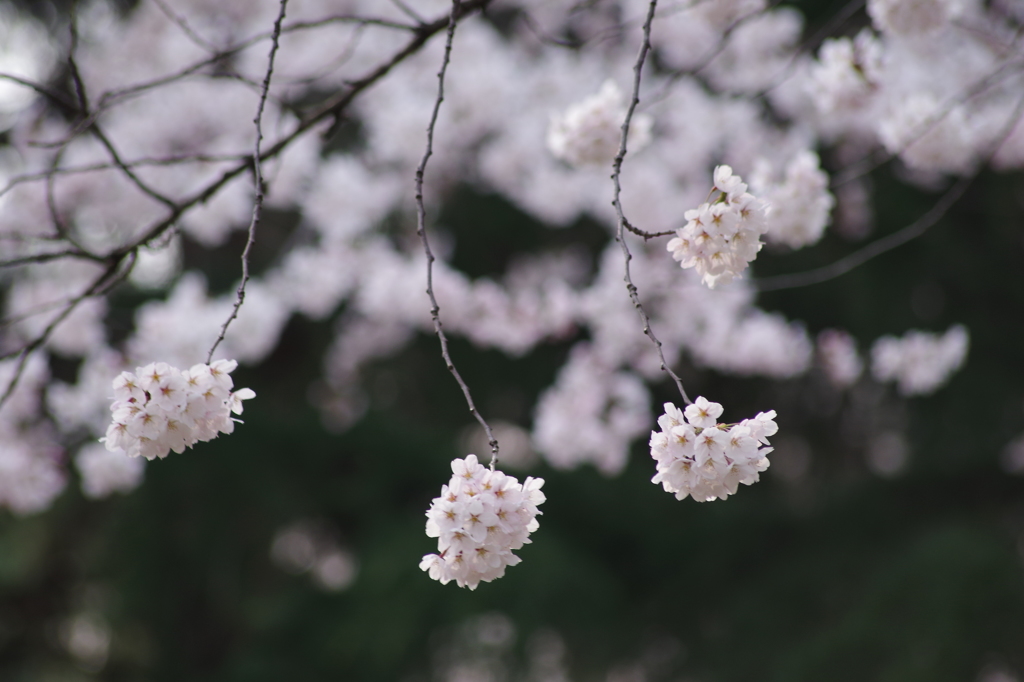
x=105, y=472
x=914, y=17
x=161, y=408
x=591, y=414
x=31, y=471
x=698, y=457
x=919, y=362
x=800, y=201
x=29, y=479
x=589, y=132
x=723, y=236
x=846, y=74
x=481, y=516
x=837, y=354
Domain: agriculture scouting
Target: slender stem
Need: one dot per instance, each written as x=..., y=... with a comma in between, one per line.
x=421, y=219
x=257, y=208
x=900, y=237
x=620, y=235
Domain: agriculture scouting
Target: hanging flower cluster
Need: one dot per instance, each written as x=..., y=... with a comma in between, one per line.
x=161, y=408
x=701, y=458
x=480, y=517
x=722, y=237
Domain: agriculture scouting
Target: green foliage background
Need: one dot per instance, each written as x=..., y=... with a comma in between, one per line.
x=840, y=576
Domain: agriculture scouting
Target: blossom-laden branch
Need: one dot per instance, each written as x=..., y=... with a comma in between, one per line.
x=257, y=208
x=620, y=236
x=421, y=218
x=120, y=261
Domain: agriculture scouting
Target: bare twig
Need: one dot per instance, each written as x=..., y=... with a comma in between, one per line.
x=644, y=233
x=421, y=219
x=39, y=88
x=257, y=208
x=408, y=11
x=183, y=24
x=49, y=256
x=898, y=238
x=114, y=96
x=170, y=160
x=620, y=235
x=109, y=276
x=876, y=248
x=871, y=161
x=331, y=108
x=709, y=56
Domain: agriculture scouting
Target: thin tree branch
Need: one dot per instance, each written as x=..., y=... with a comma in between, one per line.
x=408, y=11
x=871, y=161
x=620, y=235
x=333, y=107
x=181, y=23
x=421, y=219
x=134, y=163
x=876, y=248
x=257, y=208
x=49, y=256
x=40, y=89
x=109, y=277
x=114, y=96
x=898, y=238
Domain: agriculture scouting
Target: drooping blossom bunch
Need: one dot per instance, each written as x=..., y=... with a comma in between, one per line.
x=723, y=236
x=587, y=134
x=161, y=408
x=919, y=362
x=698, y=457
x=481, y=516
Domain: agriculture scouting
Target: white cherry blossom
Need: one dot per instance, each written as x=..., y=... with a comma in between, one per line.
x=704, y=459
x=481, y=516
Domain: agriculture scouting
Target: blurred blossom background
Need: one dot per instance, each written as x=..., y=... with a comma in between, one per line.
x=885, y=542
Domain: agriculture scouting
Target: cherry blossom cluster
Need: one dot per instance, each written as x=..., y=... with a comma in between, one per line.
x=588, y=133
x=481, y=516
x=161, y=408
x=723, y=236
x=919, y=362
x=838, y=357
x=800, y=201
x=700, y=458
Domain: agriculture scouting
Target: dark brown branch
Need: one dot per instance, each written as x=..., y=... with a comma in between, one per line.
x=134, y=163
x=333, y=107
x=102, y=283
x=421, y=230
x=257, y=208
x=620, y=235
x=181, y=23
x=49, y=256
